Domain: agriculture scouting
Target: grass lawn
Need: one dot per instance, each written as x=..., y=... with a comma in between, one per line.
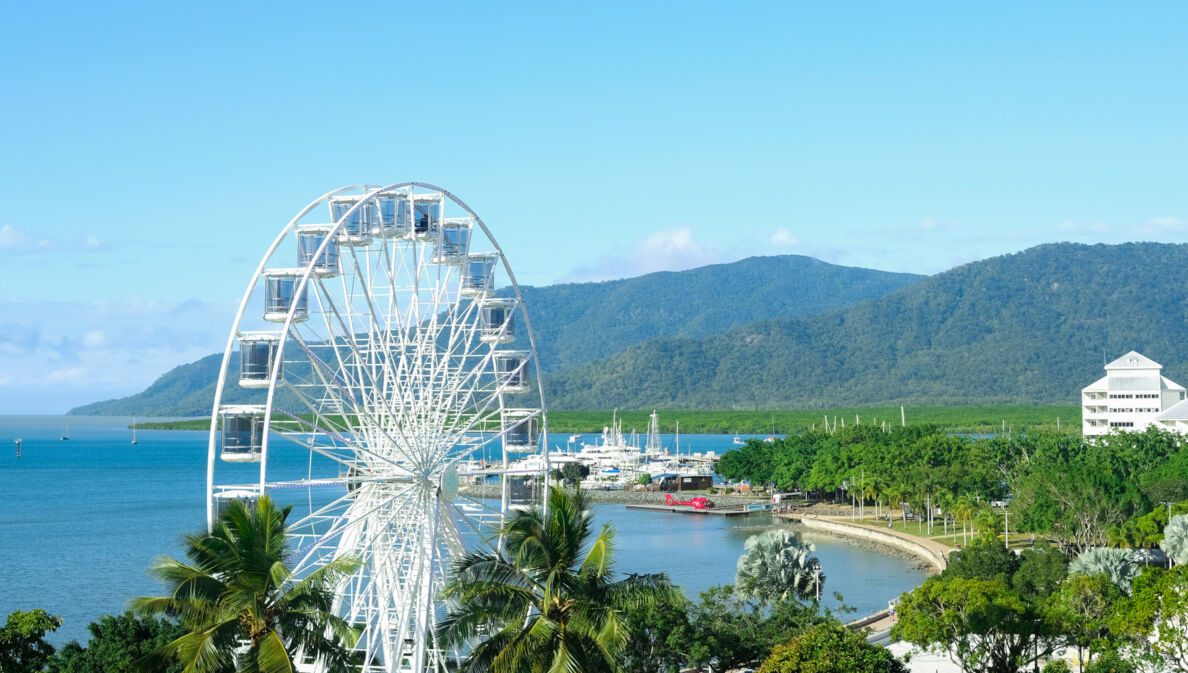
x=953, y=538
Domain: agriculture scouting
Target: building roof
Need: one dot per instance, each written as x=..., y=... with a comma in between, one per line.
x=1133, y=360
x=1098, y=386
x=1177, y=412
x=1169, y=384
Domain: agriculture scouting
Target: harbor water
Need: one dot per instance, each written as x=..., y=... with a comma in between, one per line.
x=84, y=517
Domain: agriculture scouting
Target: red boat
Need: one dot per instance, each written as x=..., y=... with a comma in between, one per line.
x=699, y=502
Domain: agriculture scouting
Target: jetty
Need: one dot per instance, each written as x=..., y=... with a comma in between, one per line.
x=713, y=511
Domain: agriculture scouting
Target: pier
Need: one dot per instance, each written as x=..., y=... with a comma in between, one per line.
x=713, y=511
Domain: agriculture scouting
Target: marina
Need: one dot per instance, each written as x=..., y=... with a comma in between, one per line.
x=617, y=460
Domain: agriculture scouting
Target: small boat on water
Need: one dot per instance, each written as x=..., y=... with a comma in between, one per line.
x=738, y=441
x=134, y=442
x=65, y=434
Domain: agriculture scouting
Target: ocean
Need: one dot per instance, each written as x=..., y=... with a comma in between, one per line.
x=83, y=519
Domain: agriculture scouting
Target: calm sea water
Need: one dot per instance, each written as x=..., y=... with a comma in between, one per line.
x=83, y=518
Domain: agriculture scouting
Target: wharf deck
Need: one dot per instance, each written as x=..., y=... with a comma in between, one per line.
x=715, y=511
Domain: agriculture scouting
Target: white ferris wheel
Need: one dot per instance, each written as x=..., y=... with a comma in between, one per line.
x=388, y=374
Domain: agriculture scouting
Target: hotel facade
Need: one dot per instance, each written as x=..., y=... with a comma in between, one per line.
x=1132, y=396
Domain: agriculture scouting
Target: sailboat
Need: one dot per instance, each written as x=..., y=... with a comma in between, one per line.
x=65, y=434
x=134, y=430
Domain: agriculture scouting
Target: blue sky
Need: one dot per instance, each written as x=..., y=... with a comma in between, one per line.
x=150, y=152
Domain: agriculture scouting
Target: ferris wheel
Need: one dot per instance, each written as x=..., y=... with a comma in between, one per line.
x=377, y=370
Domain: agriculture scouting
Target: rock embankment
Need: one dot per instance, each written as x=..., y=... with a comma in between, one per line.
x=929, y=550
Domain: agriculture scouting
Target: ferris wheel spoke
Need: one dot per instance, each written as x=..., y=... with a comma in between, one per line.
x=326, y=422
x=352, y=344
x=378, y=335
x=358, y=410
x=344, y=516
x=330, y=342
x=347, y=446
x=458, y=382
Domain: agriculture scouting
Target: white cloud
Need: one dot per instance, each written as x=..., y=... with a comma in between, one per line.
x=16, y=240
x=95, y=338
x=56, y=355
x=675, y=246
x=784, y=238
x=665, y=250
x=11, y=238
x=68, y=375
x=1164, y=225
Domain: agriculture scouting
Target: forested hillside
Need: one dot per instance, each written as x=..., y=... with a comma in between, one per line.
x=1027, y=327
x=580, y=322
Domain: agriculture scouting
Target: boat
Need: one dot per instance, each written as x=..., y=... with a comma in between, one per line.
x=65, y=434
x=134, y=442
x=738, y=441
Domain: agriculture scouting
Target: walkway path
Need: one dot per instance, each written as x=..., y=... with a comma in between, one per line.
x=931, y=545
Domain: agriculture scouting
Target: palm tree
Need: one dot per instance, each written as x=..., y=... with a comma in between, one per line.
x=241, y=607
x=963, y=511
x=1129, y=535
x=1175, y=539
x=778, y=565
x=871, y=492
x=879, y=487
x=895, y=496
x=539, y=603
x=988, y=520
x=944, y=499
x=1116, y=564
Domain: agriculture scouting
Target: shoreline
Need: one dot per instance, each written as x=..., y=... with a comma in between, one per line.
x=888, y=543
x=933, y=553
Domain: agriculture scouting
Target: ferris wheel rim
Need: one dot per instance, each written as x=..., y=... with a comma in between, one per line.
x=369, y=193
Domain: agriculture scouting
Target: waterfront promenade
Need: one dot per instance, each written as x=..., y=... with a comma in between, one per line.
x=931, y=551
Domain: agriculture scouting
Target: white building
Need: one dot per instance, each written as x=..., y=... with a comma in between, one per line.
x=1131, y=396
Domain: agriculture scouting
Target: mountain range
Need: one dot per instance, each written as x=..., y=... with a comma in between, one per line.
x=1030, y=327
x=795, y=332
x=577, y=323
